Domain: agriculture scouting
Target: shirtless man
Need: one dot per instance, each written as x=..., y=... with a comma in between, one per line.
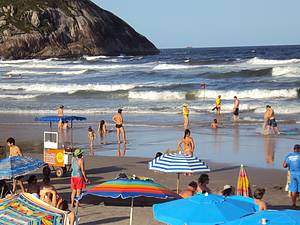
x=188, y=143
x=236, y=105
x=118, y=120
x=271, y=122
x=15, y=151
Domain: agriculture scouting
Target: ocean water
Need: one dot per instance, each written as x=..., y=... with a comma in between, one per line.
x=152, y=89
x=157, y=84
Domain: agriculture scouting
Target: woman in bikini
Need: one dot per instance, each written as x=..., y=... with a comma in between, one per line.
x=188, y=143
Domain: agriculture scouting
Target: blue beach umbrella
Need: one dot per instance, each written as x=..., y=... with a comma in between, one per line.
x=178, y=163
x=202, y=209
x=56, y=119
x=15, y=166
x=270, y=217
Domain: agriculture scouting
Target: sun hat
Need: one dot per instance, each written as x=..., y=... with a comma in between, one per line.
x=185, y=104
x=227, y=186
x=78, y=152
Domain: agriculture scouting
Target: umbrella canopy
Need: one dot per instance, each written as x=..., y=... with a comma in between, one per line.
x=25, y=209
x=202, y=209
x=130, y=188
x=15, y=166
x=271, y=217
x=58, y=118
x=243, y=187
x=178, y=163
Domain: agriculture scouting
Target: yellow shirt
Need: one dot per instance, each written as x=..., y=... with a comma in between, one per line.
x=218, y=102
x=185, y=110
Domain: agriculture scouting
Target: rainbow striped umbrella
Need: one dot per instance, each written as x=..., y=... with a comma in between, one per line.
x=130, y=188
x=243, y=187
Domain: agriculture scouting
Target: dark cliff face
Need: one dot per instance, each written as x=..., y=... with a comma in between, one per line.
x=65, y=28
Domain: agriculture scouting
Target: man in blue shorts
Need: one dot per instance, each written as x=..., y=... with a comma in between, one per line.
x=292, y=161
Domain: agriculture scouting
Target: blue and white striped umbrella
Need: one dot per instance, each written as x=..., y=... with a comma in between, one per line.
x=178, y=163
x=15, y=166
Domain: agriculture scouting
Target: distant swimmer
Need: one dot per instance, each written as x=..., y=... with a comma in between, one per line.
x=269, y=117
x=218, y=105
x=214, y=124
x=236, y=105
x=185, y=112
x=188, y=143
x=118, y=120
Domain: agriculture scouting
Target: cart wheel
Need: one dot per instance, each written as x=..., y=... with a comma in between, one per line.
x=46, y=171
x=59, y=172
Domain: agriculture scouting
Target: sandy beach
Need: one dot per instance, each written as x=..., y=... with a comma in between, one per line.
x=107, y=161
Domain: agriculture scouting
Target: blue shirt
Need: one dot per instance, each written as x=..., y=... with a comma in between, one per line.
x=293, y=161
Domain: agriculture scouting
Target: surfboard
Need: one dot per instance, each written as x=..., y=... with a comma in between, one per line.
x=289, y=132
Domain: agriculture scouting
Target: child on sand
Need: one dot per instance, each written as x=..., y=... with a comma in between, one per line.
x=91, y=137
x=214, y=124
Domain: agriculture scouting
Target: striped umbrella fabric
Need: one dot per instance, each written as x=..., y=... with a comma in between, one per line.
x=130, y=188
x=178, y=163
x=243, y=187
x=15, y=166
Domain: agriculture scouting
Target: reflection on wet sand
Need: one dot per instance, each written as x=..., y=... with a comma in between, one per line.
x=119, y=152
x=269, y=147
x=236, y=137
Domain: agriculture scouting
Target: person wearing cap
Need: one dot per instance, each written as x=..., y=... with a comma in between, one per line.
x=218, y=104
x=78, y=176
x=292, y=162
x=185, y=112
x=118, y=120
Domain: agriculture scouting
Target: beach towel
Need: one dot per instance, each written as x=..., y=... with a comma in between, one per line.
x=26, y=209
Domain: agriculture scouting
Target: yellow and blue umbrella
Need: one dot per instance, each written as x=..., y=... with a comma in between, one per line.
x=202, y=209
x=15, y=166
x=270, y=217
x=130, y=188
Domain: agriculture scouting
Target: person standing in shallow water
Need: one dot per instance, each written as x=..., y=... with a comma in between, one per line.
x=118, y=120
x=236, y=105
x=185, y=112
x=188, y=143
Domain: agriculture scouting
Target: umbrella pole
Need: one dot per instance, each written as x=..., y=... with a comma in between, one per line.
x=178, y=176
x=131, y=211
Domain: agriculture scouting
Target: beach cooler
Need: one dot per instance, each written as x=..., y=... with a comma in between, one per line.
x=58, y=159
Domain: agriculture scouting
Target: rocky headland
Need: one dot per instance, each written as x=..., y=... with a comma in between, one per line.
x=64, y=29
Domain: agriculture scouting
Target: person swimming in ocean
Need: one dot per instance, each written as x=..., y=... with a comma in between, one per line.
x=214, y=124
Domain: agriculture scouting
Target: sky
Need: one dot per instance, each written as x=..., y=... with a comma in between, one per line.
x=211, y=23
